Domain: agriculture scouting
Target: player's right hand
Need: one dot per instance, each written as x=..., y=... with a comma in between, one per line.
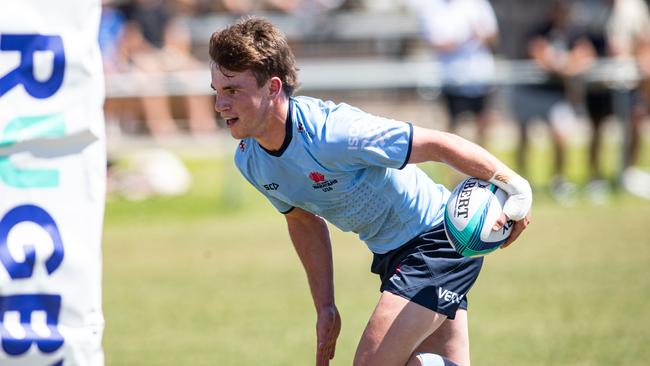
x=328, y=327
x=517, y=228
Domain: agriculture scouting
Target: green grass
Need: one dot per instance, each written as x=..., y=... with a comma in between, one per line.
x=212, y=279
x=572, y=292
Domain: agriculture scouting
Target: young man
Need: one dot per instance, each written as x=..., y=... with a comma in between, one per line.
x=316, y=161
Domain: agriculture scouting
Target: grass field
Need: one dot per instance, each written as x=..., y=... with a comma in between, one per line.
x=211, y=279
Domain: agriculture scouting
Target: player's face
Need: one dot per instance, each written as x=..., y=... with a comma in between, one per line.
x=240, y=102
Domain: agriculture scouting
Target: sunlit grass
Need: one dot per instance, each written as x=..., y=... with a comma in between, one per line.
x=212, y=279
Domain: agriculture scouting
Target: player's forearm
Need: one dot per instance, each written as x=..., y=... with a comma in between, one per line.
x=310, y=238
x=471, y=159
x=475, y=161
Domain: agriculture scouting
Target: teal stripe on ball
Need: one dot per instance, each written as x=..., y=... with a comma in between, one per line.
x=468, y=241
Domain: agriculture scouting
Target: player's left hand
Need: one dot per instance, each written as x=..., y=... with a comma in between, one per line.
x=518, y=227
x=328, y=327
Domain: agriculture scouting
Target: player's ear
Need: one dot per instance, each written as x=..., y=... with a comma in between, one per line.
x=275, y=86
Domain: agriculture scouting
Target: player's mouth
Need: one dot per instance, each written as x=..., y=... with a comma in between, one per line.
x=231, y=121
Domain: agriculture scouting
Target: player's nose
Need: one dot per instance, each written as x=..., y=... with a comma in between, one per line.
x=220, y=104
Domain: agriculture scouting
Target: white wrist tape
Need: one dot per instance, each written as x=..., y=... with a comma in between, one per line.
x=431, y=359
x=520, y=194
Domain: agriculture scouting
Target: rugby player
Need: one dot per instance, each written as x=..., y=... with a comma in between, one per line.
x=316, y=160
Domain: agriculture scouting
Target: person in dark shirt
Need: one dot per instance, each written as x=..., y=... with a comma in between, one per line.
x=615, y=29
x=554, y=49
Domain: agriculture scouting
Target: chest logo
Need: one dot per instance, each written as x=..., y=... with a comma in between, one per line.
x=316, y=177
x=321, y=182
x=271, y=186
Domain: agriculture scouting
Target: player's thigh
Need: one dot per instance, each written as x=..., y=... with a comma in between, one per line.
x=450, y=340
x=395, y=329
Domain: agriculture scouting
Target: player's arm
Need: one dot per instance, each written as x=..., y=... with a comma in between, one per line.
x=310, y=237
x=473, y=160
x=579, y=59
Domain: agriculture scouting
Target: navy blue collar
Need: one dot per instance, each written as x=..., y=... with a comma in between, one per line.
x=287, y=135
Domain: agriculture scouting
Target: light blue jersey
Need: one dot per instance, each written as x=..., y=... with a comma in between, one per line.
x=350, y=168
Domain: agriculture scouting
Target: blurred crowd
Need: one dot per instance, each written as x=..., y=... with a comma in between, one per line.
x=146, y=37
x=563, y=38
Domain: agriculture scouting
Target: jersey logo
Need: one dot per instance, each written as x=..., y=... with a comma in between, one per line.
x=320, y=182
x=316, y=177
x=271, y=187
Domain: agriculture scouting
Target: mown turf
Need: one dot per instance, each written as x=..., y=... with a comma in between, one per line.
x=211, y=279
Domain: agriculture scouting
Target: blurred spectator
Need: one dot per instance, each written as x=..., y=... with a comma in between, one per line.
x=628, y=32
x=615, y=28
x=554, y=48
x=112, y=29
x=238, y=7
x=461, y=33
x=159, y=43
x=298, y=7
x=283, y=6
x=308, y=8
x=312, y=16
x=111, y=34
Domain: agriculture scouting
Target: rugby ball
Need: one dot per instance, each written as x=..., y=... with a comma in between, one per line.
x=472, y=209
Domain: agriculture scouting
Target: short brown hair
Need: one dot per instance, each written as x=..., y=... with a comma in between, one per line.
x=255, y=44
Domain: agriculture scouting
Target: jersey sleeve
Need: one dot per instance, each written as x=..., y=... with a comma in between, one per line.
x=356, y=139
x=281, y=206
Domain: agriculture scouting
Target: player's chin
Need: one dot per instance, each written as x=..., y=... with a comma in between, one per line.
x=237, y=134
